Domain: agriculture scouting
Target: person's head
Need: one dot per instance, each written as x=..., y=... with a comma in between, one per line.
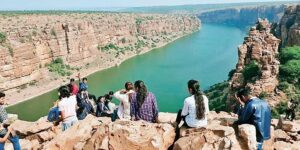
x=194, y=89
x=72, y=81
x=70, y=87
x=84, y=80
x=244, y=94
x=2, y=98
x=63, y=92
x=101, y=99
x=128, y=86
x=141, y=91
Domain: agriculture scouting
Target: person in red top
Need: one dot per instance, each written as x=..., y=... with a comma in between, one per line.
x=74, y=86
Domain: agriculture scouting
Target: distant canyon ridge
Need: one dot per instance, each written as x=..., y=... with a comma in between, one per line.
x=39, y=49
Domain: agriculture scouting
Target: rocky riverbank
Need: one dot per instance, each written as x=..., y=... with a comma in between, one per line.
x=101, y=133
x=86, y=42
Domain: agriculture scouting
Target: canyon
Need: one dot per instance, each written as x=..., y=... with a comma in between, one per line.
x=85, y=42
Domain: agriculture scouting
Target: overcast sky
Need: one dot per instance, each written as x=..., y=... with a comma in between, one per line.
x=69, y=4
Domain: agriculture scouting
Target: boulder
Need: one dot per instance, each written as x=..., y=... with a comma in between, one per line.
x=25, y=145
x=25, y=128
x=128, y=135
x=215, y=136
x=280, y=145
x=280, y=135
x=248, y=133
x=167, y=117
x=77, y=135
x=288, y=126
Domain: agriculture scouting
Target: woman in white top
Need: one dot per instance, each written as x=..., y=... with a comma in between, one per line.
x=67, y=107
x=123, y=111
x=195, y=110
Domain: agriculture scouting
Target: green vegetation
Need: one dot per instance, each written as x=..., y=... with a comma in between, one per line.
x=109, y=46
x=251, y=72
x=217, y=95
x=57, y=66
x=138, y=21
x=289, y=72
x=2, y=37
x=279, y=109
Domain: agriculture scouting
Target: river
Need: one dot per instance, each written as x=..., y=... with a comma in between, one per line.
x=207, y=55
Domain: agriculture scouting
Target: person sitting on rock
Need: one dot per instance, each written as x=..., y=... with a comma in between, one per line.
x=256, y=112
x=143, y=104
x=67, y=108
x=288, y=110
x=102, y=110
x=73, y=86
x=195, y=109
x=123, y=111
x=85, y=106
x=6, y=132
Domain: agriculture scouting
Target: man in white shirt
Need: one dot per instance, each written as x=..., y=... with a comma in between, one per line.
x=123, y=111
x=67, y=107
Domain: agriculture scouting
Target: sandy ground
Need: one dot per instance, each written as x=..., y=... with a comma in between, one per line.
x=50, y=83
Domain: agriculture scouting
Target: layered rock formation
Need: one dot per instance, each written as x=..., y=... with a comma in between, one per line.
x=289, y=26
x=243, y=17
x=101, y=133
x=259, y=48
x=81, y=40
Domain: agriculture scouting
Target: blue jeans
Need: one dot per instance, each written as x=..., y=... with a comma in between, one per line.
x=259, y=145
x=69, y=122
x=14, y=141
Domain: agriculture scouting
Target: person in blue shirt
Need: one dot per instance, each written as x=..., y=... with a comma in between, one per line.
x=83, y=86
x=255, y=111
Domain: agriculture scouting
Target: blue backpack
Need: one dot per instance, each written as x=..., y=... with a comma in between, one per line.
x=53, y=114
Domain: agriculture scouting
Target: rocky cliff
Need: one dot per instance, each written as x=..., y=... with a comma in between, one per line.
x=243, y=17
x=289, y=26
x=258, y=64
x=100, y=133
x=30, y=42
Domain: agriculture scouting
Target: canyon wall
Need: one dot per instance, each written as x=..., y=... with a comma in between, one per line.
x=258, y=64
x=243, y=17
x=32, y=41
x=289, y=26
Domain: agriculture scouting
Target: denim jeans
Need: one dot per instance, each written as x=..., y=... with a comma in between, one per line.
x=115, y=116
x=67, y=123
x=14, y=140
x=259, y=145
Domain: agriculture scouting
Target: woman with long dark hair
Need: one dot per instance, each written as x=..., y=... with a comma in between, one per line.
x=143, y=103
x=195, y=110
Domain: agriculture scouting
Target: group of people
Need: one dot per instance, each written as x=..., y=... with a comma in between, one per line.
x=138, y=103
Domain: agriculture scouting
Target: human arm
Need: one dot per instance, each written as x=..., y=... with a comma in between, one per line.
x=2, y=140
x=154, y=108
x=185, y=109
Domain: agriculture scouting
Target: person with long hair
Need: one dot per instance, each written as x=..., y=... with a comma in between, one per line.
x=67, y=107
x=143, y=104
x=195, y=109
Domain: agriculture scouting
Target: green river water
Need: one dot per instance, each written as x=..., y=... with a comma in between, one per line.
x=207, y=55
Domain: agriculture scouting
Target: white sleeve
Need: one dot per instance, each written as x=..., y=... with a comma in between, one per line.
x=119, y=96
x=60, y=106
x=185, y=109
x=206, y=104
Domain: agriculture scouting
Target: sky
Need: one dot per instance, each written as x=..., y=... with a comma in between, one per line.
x=82, y=4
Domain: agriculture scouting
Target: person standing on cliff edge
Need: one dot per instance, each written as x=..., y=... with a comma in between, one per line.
x=254, y=111
x=6, y=133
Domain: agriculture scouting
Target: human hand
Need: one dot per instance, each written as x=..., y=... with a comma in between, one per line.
x=10, y=129
x=238, y=99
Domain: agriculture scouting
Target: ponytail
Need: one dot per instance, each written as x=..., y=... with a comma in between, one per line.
x=199, y=101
